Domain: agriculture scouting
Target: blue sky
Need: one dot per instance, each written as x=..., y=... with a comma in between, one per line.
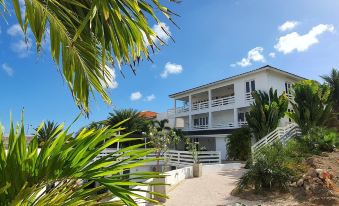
x=216, y=39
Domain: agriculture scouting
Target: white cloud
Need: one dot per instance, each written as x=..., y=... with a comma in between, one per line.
x=22, y=48
x=301, y=43
x=158, y=29
x=254, y=55
x=171, y=68
x=22, y=45
x=110, y=79
x=288, y=25
x=15, y=30
x=136, y=96
x=150, y=98
x=8, y=69
x=271, y=54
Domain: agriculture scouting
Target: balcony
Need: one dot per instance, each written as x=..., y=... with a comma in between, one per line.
x=182, y=110
x=223, y=101
x=200, y=106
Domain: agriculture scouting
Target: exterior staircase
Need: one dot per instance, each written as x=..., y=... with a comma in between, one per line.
x=280, y=134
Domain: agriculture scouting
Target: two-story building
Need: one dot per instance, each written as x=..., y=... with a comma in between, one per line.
x=210, y=112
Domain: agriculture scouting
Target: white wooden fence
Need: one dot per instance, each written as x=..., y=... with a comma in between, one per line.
x=178, y=158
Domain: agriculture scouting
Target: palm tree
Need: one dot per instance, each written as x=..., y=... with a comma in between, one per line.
x=161, y=125
x=67, y=162
x=131, y=118
x=50, y=129
x=87, y=36
x=332, y=81
x=266, y=112
x=312, y=105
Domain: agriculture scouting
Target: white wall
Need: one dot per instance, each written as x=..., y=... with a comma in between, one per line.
x=222, y=116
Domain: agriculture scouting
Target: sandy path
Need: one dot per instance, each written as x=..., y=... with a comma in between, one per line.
x=212, y=189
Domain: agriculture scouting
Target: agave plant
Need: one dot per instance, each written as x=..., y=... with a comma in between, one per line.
x=56, y=173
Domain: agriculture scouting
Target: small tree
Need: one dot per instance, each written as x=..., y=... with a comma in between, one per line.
x=161, y=141
x=239, y=144
x=193, y=148
x=266, y=112
x=311, y=105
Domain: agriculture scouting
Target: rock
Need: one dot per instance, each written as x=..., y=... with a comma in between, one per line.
x=307, y=189
x=293, y=184
x=300, y=182
x=319, y=171
x=312, y=172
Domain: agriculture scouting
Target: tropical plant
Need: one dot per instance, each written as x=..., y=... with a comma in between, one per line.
x=311, y=105
x=192, y=147
x=56, y=173
x=134, y=122
x=86, y=36
x=161, y=140
x=266, y=112
x=161, y=125
x=270, y=171
x=319, y=140
x=239, y=144
x=49, y=130
x=332, y=81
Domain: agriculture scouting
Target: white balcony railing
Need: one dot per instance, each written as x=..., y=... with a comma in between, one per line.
x=223, y=125
x=200, y=105
x=223, y=101
x=248, y=97
x=242, y=123
x=200, y=126
x=182, y=109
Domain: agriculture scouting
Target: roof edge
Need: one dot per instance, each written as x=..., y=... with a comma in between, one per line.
x=266, y=67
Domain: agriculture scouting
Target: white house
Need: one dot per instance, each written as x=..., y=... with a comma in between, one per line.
x=210, y=112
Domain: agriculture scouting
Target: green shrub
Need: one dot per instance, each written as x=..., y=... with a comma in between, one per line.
x=239, y=144
x=319, y=140
x=271, y=170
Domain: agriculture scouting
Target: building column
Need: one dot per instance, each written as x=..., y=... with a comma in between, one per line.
x=209, y=109
x=175, y=113
x=235, y=115
x=190, y=111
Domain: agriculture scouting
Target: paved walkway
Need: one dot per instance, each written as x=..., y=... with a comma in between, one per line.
x=212, y=189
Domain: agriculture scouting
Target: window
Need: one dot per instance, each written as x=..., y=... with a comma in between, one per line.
x=241, y=117
x=250, y=86
x=247, y=87
x=200, y=121
x=288, y=86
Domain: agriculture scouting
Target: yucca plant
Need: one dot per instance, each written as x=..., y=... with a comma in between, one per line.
x=55, y=174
